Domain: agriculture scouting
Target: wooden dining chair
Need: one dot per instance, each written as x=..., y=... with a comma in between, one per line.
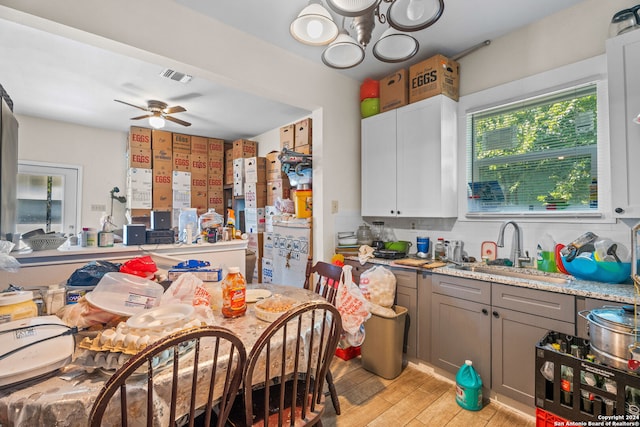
x=323, y=278
x=283, y=383
x=203, y=369
x=326, y=280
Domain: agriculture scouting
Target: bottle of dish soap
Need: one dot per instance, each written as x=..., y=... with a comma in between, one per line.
x=545, y=254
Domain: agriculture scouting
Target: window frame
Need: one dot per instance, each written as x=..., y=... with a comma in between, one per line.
x=563, y=78
x=72, y=214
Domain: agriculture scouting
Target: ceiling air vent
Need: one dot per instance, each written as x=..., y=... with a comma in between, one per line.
x=176, y=75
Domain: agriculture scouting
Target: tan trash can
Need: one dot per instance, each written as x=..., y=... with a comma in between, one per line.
x=381, y=351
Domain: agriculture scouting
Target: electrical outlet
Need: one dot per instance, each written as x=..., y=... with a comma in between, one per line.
x=334, y=206
x=98, y=208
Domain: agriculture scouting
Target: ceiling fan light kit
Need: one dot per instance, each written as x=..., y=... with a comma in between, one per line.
x=403, y=16
x=156, y=122
x=158, y=113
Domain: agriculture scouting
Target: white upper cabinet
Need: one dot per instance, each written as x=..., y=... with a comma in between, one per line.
x=623, y=63
x=409, y=160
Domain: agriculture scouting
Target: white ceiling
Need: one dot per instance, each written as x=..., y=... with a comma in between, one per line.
x=61, y=79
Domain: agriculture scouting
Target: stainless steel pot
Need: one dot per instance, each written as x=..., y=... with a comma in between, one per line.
x=612, y=332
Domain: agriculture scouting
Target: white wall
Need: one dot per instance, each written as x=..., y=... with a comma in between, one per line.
x=100, y=152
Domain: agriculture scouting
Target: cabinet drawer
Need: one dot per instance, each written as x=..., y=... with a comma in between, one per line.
x=541, y=303
x=459, y=287
x=405, y=277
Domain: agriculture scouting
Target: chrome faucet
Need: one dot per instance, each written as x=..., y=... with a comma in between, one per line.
x=516, y=249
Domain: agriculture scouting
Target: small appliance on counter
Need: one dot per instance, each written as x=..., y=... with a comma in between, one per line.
x=33, y=347
x=393, y=250
x=364, y=235
x=378, y=235
x=389, y=254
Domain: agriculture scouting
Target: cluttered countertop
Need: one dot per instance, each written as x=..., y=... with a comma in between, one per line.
x=590, y=266
x=624, y=293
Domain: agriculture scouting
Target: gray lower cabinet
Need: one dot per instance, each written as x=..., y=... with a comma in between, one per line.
x=520, y=317
x=461, y=325
x=496, y=326
x=424, y=316
x=407, y=296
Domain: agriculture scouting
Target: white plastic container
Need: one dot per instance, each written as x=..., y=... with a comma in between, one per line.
x=125, y=294
x=17, y=305
x=188, y=225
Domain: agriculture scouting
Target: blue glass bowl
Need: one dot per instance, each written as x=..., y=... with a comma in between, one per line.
x=587, y=268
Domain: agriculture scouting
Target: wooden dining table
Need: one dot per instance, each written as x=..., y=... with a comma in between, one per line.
x=65, y=397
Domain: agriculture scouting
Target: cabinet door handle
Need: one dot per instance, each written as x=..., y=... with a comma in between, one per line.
x=619, y=210
x=398, y=212
x=391, y=212
x=485, y=311
x=496, y=314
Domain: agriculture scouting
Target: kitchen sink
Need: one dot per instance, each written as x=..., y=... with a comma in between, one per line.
x=518, y=273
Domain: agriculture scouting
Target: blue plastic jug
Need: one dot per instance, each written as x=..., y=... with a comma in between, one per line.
x=468, y=387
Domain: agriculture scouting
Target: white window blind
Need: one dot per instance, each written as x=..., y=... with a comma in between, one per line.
x=536, y=155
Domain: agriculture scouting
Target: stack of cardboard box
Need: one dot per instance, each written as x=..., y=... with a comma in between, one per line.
x=170, y=171
x=215, y=175
x=139, y=173
x=242, y=148
x=182, y=192
x=437, y=75
x=199, y=173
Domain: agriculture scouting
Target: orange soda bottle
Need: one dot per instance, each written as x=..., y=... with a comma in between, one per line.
x=234, y=288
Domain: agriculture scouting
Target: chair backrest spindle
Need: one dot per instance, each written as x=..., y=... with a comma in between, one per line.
x=179, y=345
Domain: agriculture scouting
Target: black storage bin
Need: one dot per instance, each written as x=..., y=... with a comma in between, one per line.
x=598, y=391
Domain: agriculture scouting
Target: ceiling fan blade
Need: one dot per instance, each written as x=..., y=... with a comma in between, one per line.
x=176, y=109
x=142, y=117
x=180, y=122
x=135, y=106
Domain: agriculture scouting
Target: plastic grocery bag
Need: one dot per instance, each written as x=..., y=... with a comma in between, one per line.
x=189, y=289
x=353, y=308
x=7, y=262
x=91, y=273
x=378, y=285
x=142, y=266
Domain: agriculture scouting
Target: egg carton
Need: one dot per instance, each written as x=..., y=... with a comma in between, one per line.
x=109, y=362
x=124, y=339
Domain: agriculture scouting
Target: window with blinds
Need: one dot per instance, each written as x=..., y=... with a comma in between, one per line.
x=538, y=155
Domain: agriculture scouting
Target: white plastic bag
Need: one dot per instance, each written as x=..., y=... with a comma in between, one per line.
x=189, y=289
x=7, y=262
x=378, y=285
x=352, y=307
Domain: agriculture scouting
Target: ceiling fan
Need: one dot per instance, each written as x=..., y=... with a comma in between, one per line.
x=158, y=113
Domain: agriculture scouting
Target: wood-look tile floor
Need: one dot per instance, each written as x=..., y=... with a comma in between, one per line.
x=415, y=398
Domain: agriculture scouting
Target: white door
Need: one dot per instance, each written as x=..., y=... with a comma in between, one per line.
x=379, y=165
x=426, y=159
x=623, y=58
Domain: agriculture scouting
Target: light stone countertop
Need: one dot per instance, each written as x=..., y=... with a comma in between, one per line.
x=623, y=293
